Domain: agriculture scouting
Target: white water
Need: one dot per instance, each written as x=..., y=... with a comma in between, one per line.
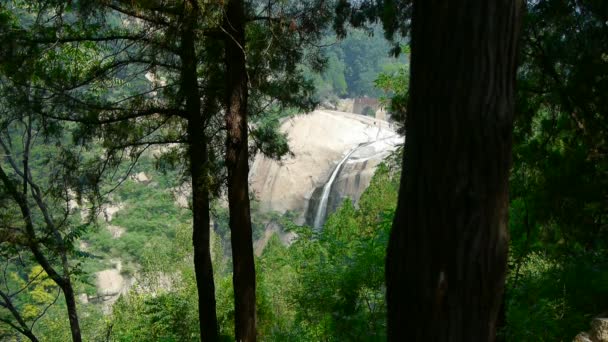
x=322, y=208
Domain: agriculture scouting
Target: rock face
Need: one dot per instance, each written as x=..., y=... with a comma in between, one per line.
x=141, y=177
x=598, y=332
x=111, y=284
x=116, y=231
x=599, y=329
x=109, y=210
x=320, y=141
x=356, y=173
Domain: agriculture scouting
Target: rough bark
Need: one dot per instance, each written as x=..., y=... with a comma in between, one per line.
x=198, y=155
x=447, y=252
x=237, y=159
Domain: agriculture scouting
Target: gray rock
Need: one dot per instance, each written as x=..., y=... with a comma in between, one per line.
x=582, y=337
x=599, y=330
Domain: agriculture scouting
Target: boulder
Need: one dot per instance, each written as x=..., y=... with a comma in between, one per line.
x=599, y=330
x=116, y=231
x=597, y=333
x=140, y=177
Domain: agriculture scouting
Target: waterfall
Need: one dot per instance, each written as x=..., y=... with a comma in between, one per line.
x=322, y=208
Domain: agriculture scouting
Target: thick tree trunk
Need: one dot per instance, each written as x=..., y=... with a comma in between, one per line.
x=237, y=159
x=198, y=154
x=447, y=253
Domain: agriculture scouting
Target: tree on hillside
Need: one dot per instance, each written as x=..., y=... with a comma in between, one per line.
x=558, y=184
x=447, y=253
x=237, y=165
x=180, y=47
x=563, y=122
x=111, y=98
x=41, y=179
x=286, y=27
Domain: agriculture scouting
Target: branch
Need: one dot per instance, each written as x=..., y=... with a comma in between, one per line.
x=134, y=115
x=29, y=282
x=84, y=39
x=132, y=13
x=46, y=309
x=149, y=143
x=22, y=328
x=29, y=227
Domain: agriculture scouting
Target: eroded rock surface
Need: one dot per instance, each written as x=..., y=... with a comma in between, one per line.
x=111, y=284
x=599, y=329
x=141, y=177
x=116, y=231
x=597, y=333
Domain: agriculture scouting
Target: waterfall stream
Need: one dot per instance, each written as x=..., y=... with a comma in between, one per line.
x=322, y=208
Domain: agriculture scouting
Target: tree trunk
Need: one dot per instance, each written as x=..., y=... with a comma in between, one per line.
x=446, y=261
x=237, y=159
x=203, y=266
x=198, y=154
x=70, y=301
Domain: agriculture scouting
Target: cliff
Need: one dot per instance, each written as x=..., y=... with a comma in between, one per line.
x=320, y=141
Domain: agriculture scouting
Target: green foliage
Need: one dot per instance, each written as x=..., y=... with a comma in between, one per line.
x=326, y=285
x=54, y=325
x=329, y=284
x=394, y=83
x=558, y=184
x=555, y=300
x=352, y=65
x=168, y=317
x=164, y=310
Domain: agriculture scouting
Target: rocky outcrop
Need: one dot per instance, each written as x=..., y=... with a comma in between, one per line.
x=357, y=172
x=319, y=142
x=111, y=284
x=140, y=177
x=116, y=231
x=182, y=195
x=598, y=332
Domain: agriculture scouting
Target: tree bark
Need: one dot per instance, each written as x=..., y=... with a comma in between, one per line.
x=237, y=159
x=446, y=260
x=70, y=301
x=199, y=157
